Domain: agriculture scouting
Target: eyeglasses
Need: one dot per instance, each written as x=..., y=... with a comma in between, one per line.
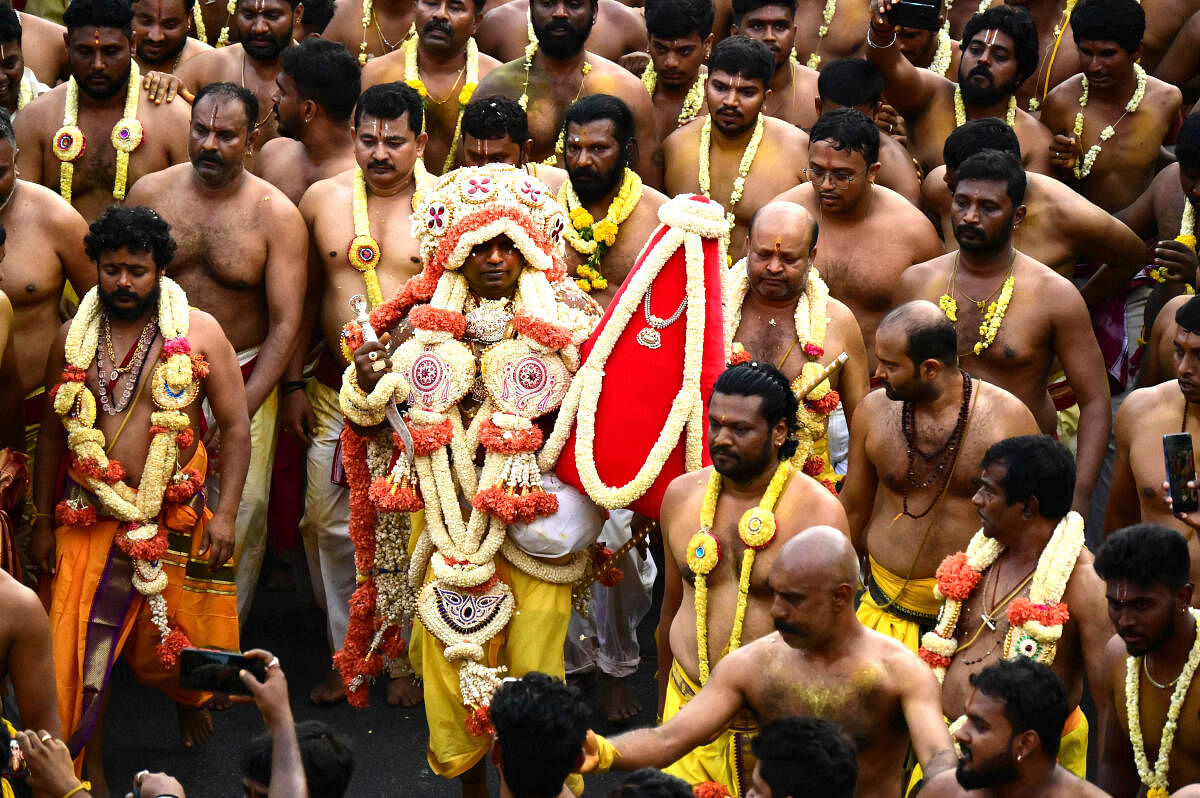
x=817, y=177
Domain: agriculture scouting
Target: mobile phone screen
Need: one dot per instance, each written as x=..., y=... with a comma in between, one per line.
x=217, y=671
x=914, y=14
x=1181, y=469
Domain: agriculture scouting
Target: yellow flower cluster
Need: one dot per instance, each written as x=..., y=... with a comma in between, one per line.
x=125, y=137
x=412, y=77
x=994, y=316
x=691, y=101
x=814, y=58
x=231, y=11
x=1084, y=168
x=589, y=237
x=739, y=183
x=960, y=110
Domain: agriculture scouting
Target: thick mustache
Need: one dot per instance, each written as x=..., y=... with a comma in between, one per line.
x=379, y=165
x=964, y=228
x=439, y=24
x=980, y=70
x=786, y=628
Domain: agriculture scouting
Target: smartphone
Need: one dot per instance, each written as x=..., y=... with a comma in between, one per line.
x=914, y=14
x=1181, y=469
x=217, y=671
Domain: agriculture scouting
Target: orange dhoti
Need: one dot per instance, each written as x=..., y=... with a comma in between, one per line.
x=97, y=615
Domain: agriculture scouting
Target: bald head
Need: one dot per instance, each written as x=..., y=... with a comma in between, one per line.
x=925, y=331
x=820, y=550
x=787, y=222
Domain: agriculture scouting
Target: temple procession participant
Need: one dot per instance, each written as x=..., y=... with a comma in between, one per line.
x=1010, y=740
x=155, y=557
x=1058, y=56
x=315, y=94
x=506, y=31
x=20, y=85
x=1112, y=89
x=441, y=61
x=736, y=155
x=778, y=310
x=65, y=138
x=556, y=70
x=1137, y=492
x=804, y=756
x=869, y=234
x=47, y=55
x=792, y=87
x=829, y=30
x=1016, y=317
x=820, y=662
x=245, y=280
x=1149, y=727
x=495, y=129
x=934, y=50
x=752, y=437
x=914, y=451
x=367, y=206
x=1046, y=603
x=999, y=51
x=1060, y=228
x=681, y=40
x=371, y=28
x=856, y=83
x=265, y=29
x=160, y=34
x=493, y=275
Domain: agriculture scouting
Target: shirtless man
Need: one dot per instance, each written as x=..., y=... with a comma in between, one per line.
x=19, y=85
x=1165, y=22
x=131, y=247
x=619, y=29
x=1046, y=320
x=844, y=39
x=27, y=656
x=560, y=72
x=907, y=513
x=778, y=275
x=1024, y=499
x=819, y=662
x=999, y=51
x=1060, y=228
x=752, y=424
x=793, y=87
x=1109, y=36
x=248, y=281
x=1146, y=415
x=680, y=43
x=99, y=43
x=925, y=47
x=315, y=92
x=160, y=34
x=1158, y=363
x=1058, y=57
x=47, y=56
x=389, y=25
x=444, y=37
x=600, y=144
x=1146, y=573
x=739, y=73
x=265, y=29
x=869, y=234
x=387, y=143
x=856, y=83
x=496, y=130
x=1014, y=712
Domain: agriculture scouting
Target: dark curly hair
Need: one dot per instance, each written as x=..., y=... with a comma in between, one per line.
x=778, y=401
x=1146, y=555
x=1018, y=25
x=1033, y=695
x=541, y=723
x=137, y=229
x=99, y=14
x=806, y=756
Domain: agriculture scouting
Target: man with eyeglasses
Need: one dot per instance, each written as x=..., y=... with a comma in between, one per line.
x=869, y=234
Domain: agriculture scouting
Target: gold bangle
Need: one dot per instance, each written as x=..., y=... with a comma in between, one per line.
x=80, y=787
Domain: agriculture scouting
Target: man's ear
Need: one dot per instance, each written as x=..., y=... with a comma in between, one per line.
x=1019, y=216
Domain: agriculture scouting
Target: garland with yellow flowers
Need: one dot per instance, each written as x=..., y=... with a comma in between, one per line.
x=1084, y=168
x=230, y=12
x=1156, y=781
x=198, y=21
x=940, y=64
x=364, y=252
x=24, y=94
x=368, y=15
x=993, y=317
x=811, y=318
x=756, y=529
x=1187, y=237
x=692, y=101
x=960, y=110
x=739, y=182
x=69, y=140
x=814, y=58
x=412, y=76
x=592, y=238
x=175, y=385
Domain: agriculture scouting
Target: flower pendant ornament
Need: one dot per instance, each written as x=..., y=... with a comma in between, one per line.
x=363, y=252
x=757, y=527
x=703, y=553
x=68, y=143
x=127, y=135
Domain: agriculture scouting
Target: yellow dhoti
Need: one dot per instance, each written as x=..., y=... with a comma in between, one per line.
x=899, y=608
x=727, y=759
x=532, y=641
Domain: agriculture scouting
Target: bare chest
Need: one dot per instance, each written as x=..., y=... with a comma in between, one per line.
x=847, y=29
x=854, y=697
x=217, y=246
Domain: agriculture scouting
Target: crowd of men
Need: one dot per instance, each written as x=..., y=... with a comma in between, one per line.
x=363, y=289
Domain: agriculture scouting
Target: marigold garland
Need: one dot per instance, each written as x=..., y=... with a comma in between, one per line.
x=127, y=134
x=756, y=529
x=591, y=238
x=412, y=76
x=1084, y=168
x=364, y=253
x=993, y=317
x=692, y=101
x=1156, y=780
x=739, y=182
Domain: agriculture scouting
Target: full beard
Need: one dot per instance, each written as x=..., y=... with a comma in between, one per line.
x=113, y=89
x=595, y=186
x=564, y=47
x=133, y=312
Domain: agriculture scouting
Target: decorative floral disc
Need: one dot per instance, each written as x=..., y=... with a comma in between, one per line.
x=364, y=253
x=703, y=553
x=68, y=142
x=757, y=527
x=127, y=134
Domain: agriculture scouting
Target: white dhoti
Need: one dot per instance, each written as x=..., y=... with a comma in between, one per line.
x=608, y=638
x=250, y=533
x=325, y=527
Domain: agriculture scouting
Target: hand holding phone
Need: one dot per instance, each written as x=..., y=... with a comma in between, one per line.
x=920, y=14
x=1181, y=469
x=217, y=671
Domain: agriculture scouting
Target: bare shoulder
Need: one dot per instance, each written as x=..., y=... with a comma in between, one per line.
x=176, y=113
x=207, y=64
x=51, y=207
x=1145, y=403
x=1163, y=96
x=931, y=267
x=1060, y=98
x=652, y=199
x=617, y=76
x=322, y=193
x=1084, y=583
x=205, y=332
x=43, y=110
x=18, y=600
x=682, y=488
x=1002, y=406
x=280, y=149
x=507, y=16
x=802, y=194
x=906, y=670
x=873, y=407
x=682, y=136
x=942, y=785
x=274, y=201
x=150, y=187
x=1046, y=279
x=785, y=134
x=840, y=316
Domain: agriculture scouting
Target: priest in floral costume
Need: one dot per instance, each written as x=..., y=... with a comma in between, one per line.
x=140, y=565
x=479, y=351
